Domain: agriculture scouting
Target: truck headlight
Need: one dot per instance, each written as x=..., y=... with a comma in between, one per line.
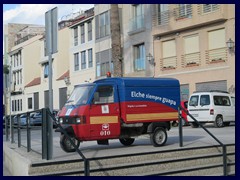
x=60, y=120
x=78, y=120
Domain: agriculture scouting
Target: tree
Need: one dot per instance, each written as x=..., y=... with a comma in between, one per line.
x=116, y=41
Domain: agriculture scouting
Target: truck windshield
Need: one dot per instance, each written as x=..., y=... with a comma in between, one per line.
x=80, y=95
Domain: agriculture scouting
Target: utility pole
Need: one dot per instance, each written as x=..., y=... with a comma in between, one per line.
x=51, y=41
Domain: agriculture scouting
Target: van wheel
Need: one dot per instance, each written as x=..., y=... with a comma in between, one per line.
x=66, y=144
x=158, y=137
x=218, y=121
x=194, y=125
x=127, y=141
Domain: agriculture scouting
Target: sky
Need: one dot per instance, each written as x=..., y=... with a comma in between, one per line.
x=35, y=13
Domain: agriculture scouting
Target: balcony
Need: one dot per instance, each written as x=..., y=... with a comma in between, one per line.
x=190, y=16
x=190, y=60
x=25, y=38
x=216, y=55
x=168, y=63
x=183, y=12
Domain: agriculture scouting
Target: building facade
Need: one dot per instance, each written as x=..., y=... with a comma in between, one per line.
x=183, y=41
x=190, y=44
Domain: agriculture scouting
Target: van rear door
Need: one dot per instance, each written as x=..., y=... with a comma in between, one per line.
x=104, y=112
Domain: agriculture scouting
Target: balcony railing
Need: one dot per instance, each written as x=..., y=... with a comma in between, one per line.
x=163, y=17
x=168, y=63
x=25, y=38
x=216, y=55
x=183, y=12
x=139, y=64
x=136, y=23
x=191, y=59
x=208, y=8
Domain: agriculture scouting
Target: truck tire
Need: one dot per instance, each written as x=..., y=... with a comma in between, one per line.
x=158, y=137
x=66, y=144
x=127, y=141
x=218, y=122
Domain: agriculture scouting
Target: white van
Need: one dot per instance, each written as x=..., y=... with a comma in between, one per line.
x=213, y=106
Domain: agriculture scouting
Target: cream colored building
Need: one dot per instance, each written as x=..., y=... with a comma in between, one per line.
x=37, y=90
x=190, y=44
x=24, y=67
x=82, y=50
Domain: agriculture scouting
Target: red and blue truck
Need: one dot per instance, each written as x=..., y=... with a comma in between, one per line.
x=120, y=108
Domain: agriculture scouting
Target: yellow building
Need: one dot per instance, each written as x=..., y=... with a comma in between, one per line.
x=190, y=44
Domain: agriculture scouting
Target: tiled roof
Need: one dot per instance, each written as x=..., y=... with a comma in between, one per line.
x=34, y=82
x=66, y=74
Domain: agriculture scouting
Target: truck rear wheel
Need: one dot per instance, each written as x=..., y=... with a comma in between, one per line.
x=66, y=144
x=158, y=137
x=127, y=141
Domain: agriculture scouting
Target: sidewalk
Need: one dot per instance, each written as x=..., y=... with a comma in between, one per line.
x=18, y=159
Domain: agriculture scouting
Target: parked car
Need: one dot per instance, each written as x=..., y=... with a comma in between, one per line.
x=216, y=107
x=184, y=104
x=23, y=120
x=36, y=119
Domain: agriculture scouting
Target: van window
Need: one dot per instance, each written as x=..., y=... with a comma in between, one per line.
x=104, y=95
x=221, y=101
x=193, y=101
x=204, y=100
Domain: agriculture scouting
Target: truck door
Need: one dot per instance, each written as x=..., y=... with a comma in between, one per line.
x=105, y=113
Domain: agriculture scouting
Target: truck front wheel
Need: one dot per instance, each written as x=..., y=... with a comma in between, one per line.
x=127, y=141
x=66, y=144
x=158, y=137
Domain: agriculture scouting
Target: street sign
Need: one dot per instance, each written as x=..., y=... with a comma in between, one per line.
x=51, y=25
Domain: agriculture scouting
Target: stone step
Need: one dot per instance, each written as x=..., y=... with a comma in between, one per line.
x=157, y=161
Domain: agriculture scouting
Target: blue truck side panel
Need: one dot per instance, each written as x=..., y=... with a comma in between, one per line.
x=159, y=90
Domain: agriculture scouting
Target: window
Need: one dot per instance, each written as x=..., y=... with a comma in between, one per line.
x=83, y=60
x=103, y=63
x=216, y=39
x=104, y=94
x=20, y=104
x=138, y=17
x=193, y=101
x=76, y=62
x=104, y=24
x=191, y=49
x=82, y=33
x=139, y=57
x=221, y=101
x=233, y=101
x=13, y=107
x=169, y=54
x=89, y=30
x=20, y=76
x=75, y=34
x=216, y=45
x=185, y=10
x=209, y=7
x=163, y=14
x=30, y=103
x=90, y=59
x=204, y=100
x=45, y=70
